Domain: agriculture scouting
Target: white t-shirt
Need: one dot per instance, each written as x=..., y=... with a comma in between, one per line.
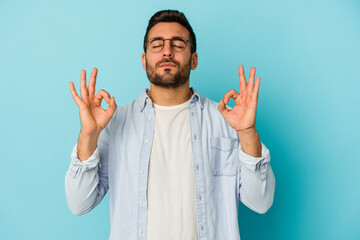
x=171, y=180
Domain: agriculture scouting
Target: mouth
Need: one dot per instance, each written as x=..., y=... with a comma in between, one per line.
x=167, y=65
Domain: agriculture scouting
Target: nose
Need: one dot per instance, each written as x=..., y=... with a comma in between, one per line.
x=167, y=50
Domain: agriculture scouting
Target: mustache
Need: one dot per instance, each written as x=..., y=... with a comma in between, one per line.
x=167, y=61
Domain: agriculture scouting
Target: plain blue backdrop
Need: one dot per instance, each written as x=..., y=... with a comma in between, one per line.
x=307, y=54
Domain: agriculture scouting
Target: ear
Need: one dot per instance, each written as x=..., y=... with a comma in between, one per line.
x=143, y=59
x=194, y=61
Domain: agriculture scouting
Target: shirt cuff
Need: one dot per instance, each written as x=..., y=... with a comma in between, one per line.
x=89, y=163
x=254, y=163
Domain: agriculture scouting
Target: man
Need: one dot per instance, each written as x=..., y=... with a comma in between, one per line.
x=175, y=163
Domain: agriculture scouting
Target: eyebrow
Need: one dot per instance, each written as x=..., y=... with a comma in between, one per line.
x=156, y=38
x=174, y=37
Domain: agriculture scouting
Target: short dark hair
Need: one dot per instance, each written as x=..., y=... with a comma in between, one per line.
x=171, y=16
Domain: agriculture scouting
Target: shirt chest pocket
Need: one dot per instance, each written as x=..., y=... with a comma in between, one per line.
x=224, y=156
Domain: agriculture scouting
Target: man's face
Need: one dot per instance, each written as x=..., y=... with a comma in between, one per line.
x=167, y=68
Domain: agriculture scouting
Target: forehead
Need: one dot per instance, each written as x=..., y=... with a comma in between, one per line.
x=168, y=30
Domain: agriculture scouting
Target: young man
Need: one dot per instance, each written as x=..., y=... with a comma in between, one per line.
x=175, y=163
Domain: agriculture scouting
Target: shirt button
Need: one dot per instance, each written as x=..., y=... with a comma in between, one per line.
x=140, y=231
x=197, y=167
x=200, y=197
x=146, y=140
x=195, y=136
x=192, y=114
x=142, y=171
x=202, y=228
x=140, y=202
x=147, y=100
x=149, y=117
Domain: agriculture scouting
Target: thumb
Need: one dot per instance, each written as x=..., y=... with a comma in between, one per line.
x=112, y=107
x=222, y=108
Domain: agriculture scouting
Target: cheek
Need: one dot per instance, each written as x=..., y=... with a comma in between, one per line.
x=151, y=61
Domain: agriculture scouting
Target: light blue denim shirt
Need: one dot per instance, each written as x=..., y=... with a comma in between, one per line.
x=224, y=174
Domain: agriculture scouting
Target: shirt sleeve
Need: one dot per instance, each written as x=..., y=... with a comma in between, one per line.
x=86, y=182
x=256, y=180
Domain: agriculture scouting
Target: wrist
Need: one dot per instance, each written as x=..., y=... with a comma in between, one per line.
x=86, y=145
x=247, y=132
x=89, y=133
x=248, y=136
x=243, y=129
x=250, y=142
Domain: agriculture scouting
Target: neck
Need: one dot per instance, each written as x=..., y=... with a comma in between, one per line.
x=170, y=97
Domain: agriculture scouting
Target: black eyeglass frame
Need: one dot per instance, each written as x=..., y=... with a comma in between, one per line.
x=171, y=39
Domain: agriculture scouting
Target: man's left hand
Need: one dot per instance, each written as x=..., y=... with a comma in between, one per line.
x=243, y=114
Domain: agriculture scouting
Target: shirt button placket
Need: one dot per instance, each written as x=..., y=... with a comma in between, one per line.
x=149, y=125
x=196, y=138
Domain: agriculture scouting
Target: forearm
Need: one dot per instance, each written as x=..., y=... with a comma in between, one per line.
x=250, y=142
x=83, y=191
x=255, y=193
x=87, y=144
x=257, y=181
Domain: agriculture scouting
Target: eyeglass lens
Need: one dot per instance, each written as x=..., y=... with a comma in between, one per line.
x=157, y=44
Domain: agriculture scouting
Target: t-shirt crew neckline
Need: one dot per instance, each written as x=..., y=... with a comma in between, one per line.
x=173, y=107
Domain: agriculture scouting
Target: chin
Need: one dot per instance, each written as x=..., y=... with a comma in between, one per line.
x=167, y=72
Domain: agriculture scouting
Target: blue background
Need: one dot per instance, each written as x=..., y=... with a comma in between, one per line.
x=307, y=54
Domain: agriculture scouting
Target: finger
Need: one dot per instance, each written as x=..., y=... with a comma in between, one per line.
x=230, y=94
x=222, y=108
x=112, y=107
x=251, y=79
x=242, y=79
x=256, y=88
x=92, y=82
x=102, y=94
x=74, y=94
x=83, y=89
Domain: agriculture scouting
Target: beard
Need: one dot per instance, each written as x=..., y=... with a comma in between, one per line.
x=168, y=79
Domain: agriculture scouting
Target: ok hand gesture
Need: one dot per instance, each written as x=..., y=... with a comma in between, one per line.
x=92, y=116
x=243, y=115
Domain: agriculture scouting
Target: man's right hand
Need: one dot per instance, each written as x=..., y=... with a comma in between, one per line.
x=92, y=116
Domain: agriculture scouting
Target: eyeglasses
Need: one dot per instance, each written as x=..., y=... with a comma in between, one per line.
x=178, y=44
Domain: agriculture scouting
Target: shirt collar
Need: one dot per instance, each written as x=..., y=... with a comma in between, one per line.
x=197, y=97
x=144, y=99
